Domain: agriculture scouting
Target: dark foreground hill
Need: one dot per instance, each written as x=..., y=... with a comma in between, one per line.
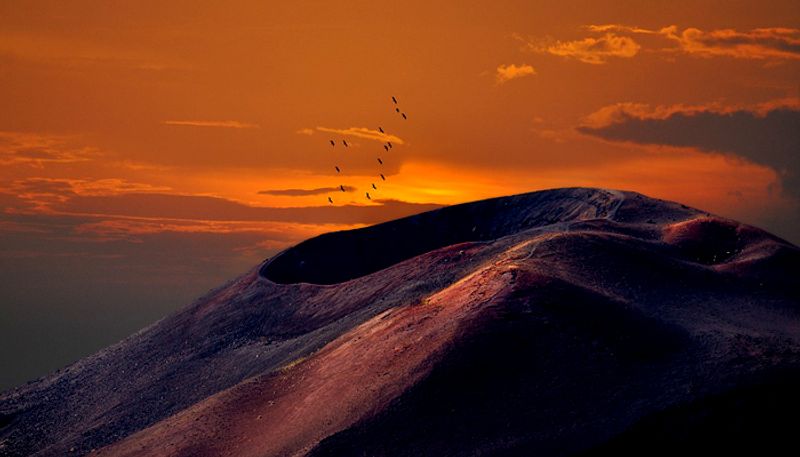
x=562, y=322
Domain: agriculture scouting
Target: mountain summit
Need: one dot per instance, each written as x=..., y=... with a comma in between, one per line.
x=561, y=322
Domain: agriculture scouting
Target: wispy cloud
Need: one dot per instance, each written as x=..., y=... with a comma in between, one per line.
x=305, y=192
x=17, y=148
x=305, y=131
x=619, y=28
x=764, y=43
x=508, y=72
x=591, y=50
x=616, y=40
x=365, y=133
x=217, y=124
x=41, y=193
x=760, y=43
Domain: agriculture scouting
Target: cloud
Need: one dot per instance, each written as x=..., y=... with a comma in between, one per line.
x=19, y=148
x=616, y=41
x=768, y=134
x=206, y=208
x=588, y=50
x=619, y=28
x=304, y=192
x=509, y=72
x=365, y=133
x=217, y=124
x=305, y=131
x=760, y=43
x=763, y=43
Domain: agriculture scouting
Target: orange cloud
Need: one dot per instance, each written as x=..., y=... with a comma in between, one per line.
x=219, y=124
x=365, y=133
x=590, y=50
x=509, y=72
x=760, y=43
x=763, y=43
x=619, y=28
x=17, y=148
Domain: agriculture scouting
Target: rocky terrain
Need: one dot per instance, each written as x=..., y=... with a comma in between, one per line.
x=563, y=322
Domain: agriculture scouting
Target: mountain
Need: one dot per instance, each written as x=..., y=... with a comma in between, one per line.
x=563, y=322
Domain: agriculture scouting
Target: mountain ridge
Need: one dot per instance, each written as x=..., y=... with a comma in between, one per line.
x=327, y=324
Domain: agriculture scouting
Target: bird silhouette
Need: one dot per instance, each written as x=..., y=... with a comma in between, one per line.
x=333, y=143
x=383, y=177
x=368, y=197
x=394, y=100
x=337, y=169
x=381, y=130
x=344, y=142
x=380, y=161
x=386, y=147
x=390, y=144
x=341, y=187
x=404, y=116
x=330, y=200
x=374, y=187
x=397, y=110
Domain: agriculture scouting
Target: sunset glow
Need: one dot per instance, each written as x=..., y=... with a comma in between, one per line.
x=180, y=143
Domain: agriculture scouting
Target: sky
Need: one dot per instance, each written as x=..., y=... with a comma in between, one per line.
x=152, y=150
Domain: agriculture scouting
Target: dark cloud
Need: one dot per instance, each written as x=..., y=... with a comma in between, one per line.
x=304, y=192
x=170, y=206
x=771, y=138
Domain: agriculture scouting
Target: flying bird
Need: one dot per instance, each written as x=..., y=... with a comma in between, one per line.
x=333, y=143
x=368, y=197
x=386, y=147
x=341, y=187
x=330, y=200
x=381, y=130
x=380, y=161
x=394, y=100
x=383, y=177
x=397, y=110
x=404, y=116
x=345, y=143
x=373, y=186
x=390, y=144
x=337, y=169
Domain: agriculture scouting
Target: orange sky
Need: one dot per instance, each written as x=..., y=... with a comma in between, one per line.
x=137, y=138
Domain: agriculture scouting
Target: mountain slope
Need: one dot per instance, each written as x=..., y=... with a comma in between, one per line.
x=556, y=322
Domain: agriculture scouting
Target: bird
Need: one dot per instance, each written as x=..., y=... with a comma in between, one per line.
x=380, y=129
x=397, y=110
x=368, y=197
x=341, y=187
x=390, y=144
x=330, y=200
x=380, y=161
x=404, y=116
x=383, y=177
x=386, y=147
x=374, y=187
x=333, y=143
x=337, y=169
x=345, y=143
x=394, y=100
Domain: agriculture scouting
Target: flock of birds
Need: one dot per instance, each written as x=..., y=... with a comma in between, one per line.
x=387, y=146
